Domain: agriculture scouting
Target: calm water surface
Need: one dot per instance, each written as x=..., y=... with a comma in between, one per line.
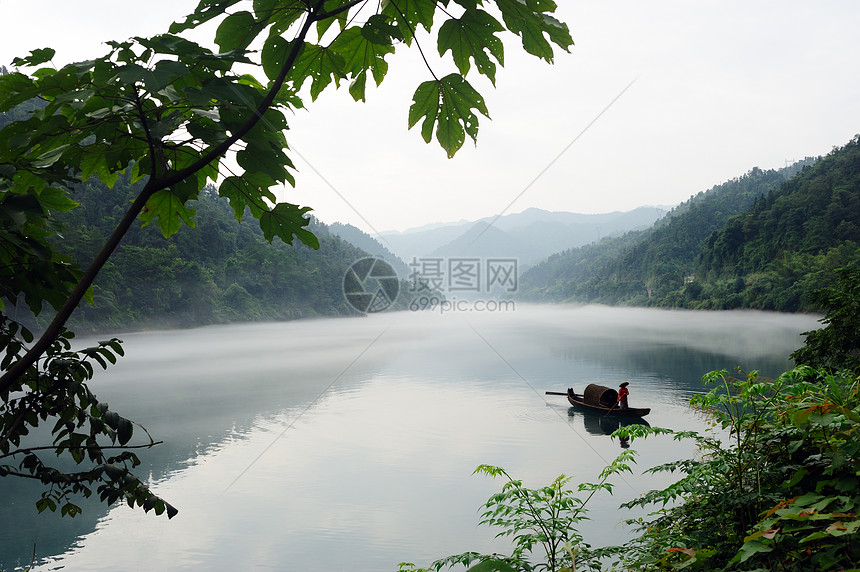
x=348, y=444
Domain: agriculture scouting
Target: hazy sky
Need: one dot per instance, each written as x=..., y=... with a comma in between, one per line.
x=713, y=88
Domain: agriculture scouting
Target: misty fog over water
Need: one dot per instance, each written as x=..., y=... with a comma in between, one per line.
x=337, y=444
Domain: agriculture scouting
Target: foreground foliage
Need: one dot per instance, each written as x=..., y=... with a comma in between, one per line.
x=781, y=493
x=541, y=522
x=96, y=439
x=176, y=116
x=776, y=488
x=837, y=344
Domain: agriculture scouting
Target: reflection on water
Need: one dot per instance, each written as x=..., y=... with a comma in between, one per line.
x=601, y=424
x=349, y=443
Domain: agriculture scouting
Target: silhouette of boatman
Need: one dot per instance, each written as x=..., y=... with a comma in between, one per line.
x=623, y=392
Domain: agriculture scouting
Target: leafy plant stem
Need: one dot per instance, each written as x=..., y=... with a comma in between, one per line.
x=417, y=43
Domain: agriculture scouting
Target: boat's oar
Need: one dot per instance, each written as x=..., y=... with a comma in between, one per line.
x=555, y=393
x=610, y=410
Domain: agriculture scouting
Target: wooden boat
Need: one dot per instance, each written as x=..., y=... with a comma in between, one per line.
x=602, y=400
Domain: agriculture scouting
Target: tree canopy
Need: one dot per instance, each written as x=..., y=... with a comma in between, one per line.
x=176, y=116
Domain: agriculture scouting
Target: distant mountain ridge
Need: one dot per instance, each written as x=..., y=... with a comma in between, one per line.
x=763, y=241
x=529, y=236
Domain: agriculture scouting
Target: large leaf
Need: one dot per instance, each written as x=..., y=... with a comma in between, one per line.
x=473, y=36
x=530, y=20
x=56, y=200
x=321, y=65
x=285, y=220
x=35, y=58
x=242, y=194
x=205, y=11
x=170, y=210
x=409, y=15
x=237, y=31
x=274, y=55
x=360, y=56
x=341, y=18
x=447, y=104
x=379, y=30
x=16, y=88
x=268, y=160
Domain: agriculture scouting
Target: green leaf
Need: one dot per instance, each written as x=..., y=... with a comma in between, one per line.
x=46, y=503
x=268, y=160
x=264, y=8
x=322, y=65
x=752, y=547
x=205, y=11
x=56, y=200
x=95, y=163
x=796, y=478
x=529, y=20
x=379, y=30
x=124, y=431
x=132, y=73
x=274, y=55
x=170, y=210
x=409, y=15
x=285, y=220
x=240, y=195
x=16, y=88
x=35, y=58
x=425, y=103
x=360, y=56
x=237, y=31
x=165, y=73
x=473, y=36
x=70, y=509
x=340, y=19
x=492, y=565
x=49, y=157
x=448, y=105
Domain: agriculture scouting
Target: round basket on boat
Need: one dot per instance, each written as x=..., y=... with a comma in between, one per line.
x=598, y=395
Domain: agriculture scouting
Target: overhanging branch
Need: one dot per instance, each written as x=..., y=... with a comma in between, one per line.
x=152, y=186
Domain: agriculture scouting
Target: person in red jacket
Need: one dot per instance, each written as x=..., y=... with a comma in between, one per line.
x=623, y=392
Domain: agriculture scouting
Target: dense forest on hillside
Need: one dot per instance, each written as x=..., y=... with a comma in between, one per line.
x=789, y=242
x=223, y=271
x=368, y=244
x=759, y=241
x=641, y=266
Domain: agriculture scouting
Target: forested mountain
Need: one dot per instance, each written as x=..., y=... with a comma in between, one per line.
x=662, y=266
x=368, y=244
x=557, y=278
x=788, y=243
x=222, y=271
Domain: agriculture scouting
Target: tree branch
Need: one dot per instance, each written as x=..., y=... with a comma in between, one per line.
x=152, y=186
x=415, y=38
x=79, y=447
x=336, y=11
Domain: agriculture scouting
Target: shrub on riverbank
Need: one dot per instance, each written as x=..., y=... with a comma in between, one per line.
x=776, y=489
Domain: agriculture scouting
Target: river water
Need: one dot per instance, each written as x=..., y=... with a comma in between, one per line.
x=349, y=444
